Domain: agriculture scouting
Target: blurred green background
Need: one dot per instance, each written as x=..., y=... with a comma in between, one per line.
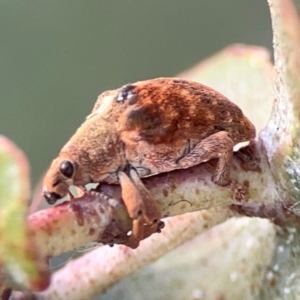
x=57, y=56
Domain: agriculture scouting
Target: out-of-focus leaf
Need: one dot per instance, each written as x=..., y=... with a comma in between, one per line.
x=96, y=271
x=20, y=259
x=225, y=263
x=14, y=177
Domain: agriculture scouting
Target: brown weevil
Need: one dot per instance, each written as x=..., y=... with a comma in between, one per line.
x=146, y=128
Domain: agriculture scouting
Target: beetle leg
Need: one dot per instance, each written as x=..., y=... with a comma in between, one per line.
x=218, y=145
x=151, y=211
x=133, y=242
x=141, y=206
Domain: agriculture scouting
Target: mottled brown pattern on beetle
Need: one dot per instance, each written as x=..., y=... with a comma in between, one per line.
x=170, y=109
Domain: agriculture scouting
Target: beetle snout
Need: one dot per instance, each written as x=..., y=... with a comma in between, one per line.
x=51, y=198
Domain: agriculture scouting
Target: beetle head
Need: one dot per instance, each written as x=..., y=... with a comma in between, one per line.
x=93, y=154
x=58, y=179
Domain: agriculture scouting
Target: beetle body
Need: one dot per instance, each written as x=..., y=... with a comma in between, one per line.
x=150, y=126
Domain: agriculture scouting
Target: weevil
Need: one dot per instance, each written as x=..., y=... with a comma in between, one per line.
x=146, y=128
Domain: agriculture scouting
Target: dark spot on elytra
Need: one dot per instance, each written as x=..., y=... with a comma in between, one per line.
x=142, y=116
x=206, y=100
x=200, y=122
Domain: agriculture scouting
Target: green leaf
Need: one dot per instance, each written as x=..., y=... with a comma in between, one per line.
x=18, y=252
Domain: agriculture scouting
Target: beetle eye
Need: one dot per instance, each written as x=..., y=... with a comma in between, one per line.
x=126, y=93
x=67, y=168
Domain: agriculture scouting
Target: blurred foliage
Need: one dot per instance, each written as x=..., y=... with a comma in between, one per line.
x=16, y=248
